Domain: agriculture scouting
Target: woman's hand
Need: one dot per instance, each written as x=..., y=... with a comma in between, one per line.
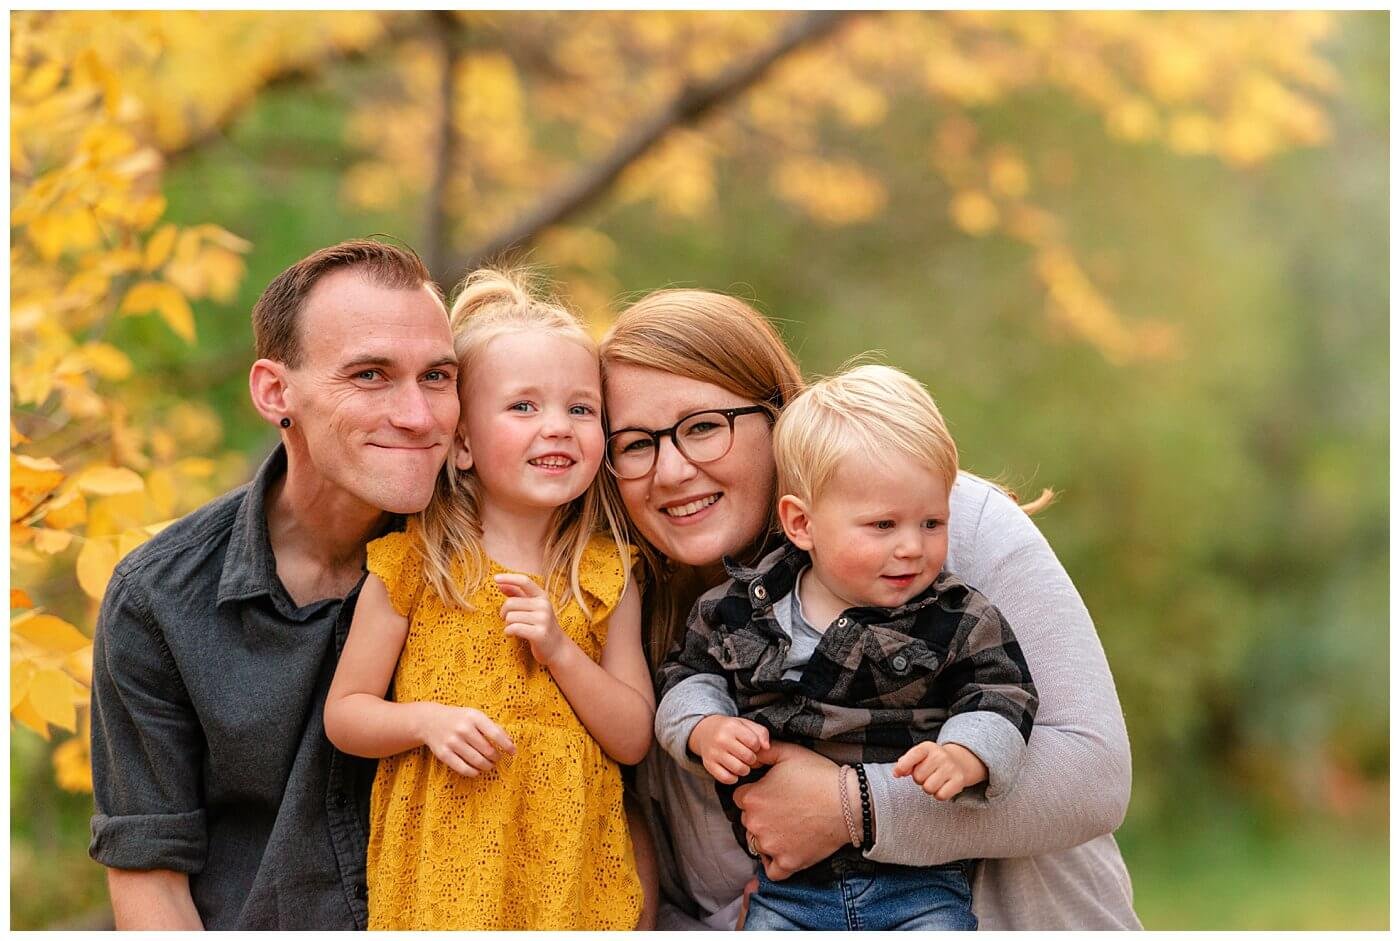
x=793, y=811
x=529, y=615
x=463, y=739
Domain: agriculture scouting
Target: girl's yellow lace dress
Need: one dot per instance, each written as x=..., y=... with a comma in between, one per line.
x=540, y=841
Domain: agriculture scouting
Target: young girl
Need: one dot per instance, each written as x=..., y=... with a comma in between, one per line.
x=498, y=802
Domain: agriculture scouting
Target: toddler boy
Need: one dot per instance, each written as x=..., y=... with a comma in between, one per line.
x=849, y=639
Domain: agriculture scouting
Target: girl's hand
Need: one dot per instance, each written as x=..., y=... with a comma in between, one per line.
x=943, y=771
x=463, y=739
x=794, y=811
x=529, y=615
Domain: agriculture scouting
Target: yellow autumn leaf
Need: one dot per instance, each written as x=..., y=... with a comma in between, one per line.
x=67, y=510
x=160, y=487
x=155, y=296
x=158, y=248
x=223, y=238
x=223, y=270
x=107, y=361
x=21, y=672
x=51, y=541
x=1007, y=175
x=974, y=212
x=96, y=560
x=78, y=664
x=31, y=479
x=110, y=481
x=195, y=467
x=51, y=633
x=40, y=82
x=51, y=695
x=19, y=598
x=72, y=765
x=130, y=540
x=25, y=714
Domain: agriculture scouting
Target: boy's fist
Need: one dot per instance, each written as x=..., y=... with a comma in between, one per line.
x=728, y=746
x=943, y=771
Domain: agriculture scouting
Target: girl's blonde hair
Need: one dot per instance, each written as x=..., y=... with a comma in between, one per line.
x=491, y=303
x=709, y=337
x=872, y=410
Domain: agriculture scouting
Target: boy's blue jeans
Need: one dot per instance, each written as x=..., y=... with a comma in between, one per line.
x=858, y=895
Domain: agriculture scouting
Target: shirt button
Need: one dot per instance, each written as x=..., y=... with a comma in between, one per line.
x=900, y=662
x=760, y=592
x=842, y=621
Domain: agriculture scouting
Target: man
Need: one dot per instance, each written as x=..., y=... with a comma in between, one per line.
x=219, y=801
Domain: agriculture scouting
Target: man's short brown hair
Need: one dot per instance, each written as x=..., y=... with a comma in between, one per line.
x=278, y=311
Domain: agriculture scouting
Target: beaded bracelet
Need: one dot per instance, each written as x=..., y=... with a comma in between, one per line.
x=851, y=831
x=866, y=815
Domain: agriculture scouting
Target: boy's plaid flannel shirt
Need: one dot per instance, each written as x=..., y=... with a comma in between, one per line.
x=880, y=680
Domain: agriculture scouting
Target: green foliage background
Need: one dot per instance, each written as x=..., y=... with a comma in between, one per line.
x=1225, y=515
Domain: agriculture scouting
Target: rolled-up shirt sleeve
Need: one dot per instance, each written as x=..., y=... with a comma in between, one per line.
x=147, y=745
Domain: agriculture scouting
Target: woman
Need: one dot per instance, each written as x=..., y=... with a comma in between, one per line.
x=1048, y=859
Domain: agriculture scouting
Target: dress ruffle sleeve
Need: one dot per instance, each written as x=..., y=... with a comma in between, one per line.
x=394, y=558
x=603, y=576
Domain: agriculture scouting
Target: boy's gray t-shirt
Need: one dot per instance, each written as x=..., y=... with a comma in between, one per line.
x=798, y=628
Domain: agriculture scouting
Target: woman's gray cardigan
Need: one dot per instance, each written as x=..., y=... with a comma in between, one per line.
x=1049, y=859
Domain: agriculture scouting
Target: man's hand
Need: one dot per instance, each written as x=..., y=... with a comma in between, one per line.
x=728, y=746
x=943, y=771
x=794, y=811
x=529, y=615
x=463, y=739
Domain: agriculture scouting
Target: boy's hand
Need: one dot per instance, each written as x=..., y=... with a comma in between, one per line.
x=728, y=746
x=463, y=739
x=941, y=770
x=529, y=615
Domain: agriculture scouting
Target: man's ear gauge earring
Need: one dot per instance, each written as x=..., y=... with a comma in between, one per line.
x=286, y=422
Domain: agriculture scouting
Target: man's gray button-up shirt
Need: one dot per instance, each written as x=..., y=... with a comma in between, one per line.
x=208, y=750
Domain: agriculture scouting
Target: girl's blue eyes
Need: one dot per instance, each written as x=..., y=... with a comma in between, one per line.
x=526, y=407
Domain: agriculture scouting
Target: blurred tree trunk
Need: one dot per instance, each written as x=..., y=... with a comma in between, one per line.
x=450, y=38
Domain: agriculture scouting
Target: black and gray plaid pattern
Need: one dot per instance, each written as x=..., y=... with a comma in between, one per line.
x=879, y=681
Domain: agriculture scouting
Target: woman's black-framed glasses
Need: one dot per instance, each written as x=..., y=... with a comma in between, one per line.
x=701, y=437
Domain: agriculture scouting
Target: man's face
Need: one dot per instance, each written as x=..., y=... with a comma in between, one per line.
x=375, y=397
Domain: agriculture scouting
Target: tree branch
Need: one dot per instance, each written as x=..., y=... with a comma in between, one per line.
x=688, y=107
x=398, y=26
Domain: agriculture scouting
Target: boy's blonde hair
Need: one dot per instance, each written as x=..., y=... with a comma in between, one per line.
x=491, y=303
x=871, y=410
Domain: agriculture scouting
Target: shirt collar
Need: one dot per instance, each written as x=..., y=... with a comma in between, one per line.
x=250, y=569
x=776, y=575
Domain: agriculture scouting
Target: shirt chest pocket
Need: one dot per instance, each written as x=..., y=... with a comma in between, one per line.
x=737, y=652
x=896, y=670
